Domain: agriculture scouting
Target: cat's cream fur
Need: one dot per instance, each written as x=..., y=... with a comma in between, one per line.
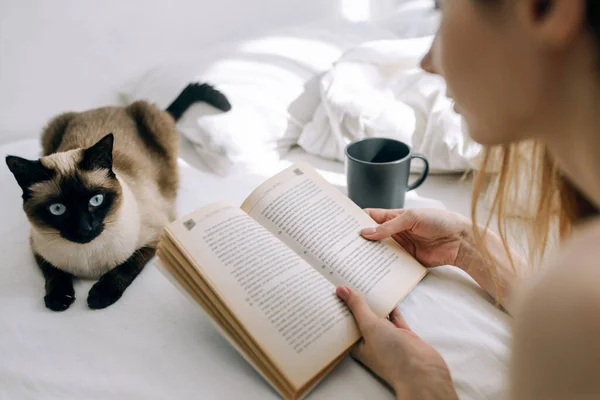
x=145, y=164
x=121, y=237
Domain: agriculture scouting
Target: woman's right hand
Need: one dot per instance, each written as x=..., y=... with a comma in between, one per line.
x=433, y=236
x=440, y=237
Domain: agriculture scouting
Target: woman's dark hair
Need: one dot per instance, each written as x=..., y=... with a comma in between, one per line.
x=592, y=16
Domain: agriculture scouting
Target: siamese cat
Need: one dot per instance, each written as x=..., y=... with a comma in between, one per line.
x=100, y=195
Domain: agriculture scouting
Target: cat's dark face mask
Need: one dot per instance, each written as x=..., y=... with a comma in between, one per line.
x=73, y=194
x=79, y=214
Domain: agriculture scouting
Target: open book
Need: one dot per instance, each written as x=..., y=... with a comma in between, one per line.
x=266, y=274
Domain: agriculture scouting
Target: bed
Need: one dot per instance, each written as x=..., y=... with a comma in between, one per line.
x=156, y=344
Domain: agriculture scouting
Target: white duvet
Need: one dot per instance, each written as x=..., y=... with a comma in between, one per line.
x=378, y=89
x=155, y=344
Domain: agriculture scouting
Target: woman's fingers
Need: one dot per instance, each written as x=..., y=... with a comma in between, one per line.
x=380, y=215
x=364, y=316
x=358, y=352
x=403, y=222
x=398, y=320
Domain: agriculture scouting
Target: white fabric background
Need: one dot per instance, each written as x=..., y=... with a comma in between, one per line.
x=270, y=80
x=155, y=344
x=65, y=55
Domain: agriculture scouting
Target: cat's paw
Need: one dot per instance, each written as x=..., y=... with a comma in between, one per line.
x=59, y=300
x=104, y=293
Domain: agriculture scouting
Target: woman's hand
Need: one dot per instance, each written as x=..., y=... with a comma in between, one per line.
x=438, y=237
x=391, y=350
x=434, y=237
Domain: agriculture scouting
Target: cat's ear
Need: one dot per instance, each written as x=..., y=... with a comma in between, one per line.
x=27, y=172
x=100, y=155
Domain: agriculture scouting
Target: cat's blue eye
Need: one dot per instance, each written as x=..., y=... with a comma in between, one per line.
x=57, y=209
x=96, y=200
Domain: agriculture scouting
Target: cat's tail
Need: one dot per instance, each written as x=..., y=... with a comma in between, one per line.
x=197, y=92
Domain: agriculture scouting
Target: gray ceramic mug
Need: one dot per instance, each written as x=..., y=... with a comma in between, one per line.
x=377, y=172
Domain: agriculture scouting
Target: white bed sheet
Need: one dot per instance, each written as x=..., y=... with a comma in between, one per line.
x=156, y=344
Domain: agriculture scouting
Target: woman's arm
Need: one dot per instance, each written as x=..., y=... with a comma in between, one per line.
x=439, y=237
x=499, y=279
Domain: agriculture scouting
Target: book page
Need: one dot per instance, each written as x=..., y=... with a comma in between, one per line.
x=175, y=269
x=287, y=307
x=323, y=226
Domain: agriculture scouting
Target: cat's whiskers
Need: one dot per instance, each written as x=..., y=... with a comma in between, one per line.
x=49, y=232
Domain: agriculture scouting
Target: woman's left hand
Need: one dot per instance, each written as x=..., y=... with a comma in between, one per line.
x=393, y=351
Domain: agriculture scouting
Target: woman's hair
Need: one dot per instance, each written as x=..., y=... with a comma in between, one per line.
x=529, y=179
x=555, y=204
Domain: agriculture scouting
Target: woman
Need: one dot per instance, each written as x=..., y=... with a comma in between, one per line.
x=521, y=72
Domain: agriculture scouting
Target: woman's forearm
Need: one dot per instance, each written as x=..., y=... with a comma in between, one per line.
x=437, y=386
x=498, y=279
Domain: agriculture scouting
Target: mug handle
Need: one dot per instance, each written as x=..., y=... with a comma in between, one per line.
x=424, y=174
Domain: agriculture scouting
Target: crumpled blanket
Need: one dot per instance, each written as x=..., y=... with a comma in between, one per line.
x=378, y=89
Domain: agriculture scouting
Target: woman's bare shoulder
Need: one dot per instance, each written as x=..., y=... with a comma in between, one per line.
x=574, y=269
x=580, y=252
x=569, y=285
x=557, y=325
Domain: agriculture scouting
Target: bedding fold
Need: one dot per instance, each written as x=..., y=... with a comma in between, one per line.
x=378, y=89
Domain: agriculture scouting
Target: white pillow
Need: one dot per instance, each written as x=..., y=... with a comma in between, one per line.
x=271, y=82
